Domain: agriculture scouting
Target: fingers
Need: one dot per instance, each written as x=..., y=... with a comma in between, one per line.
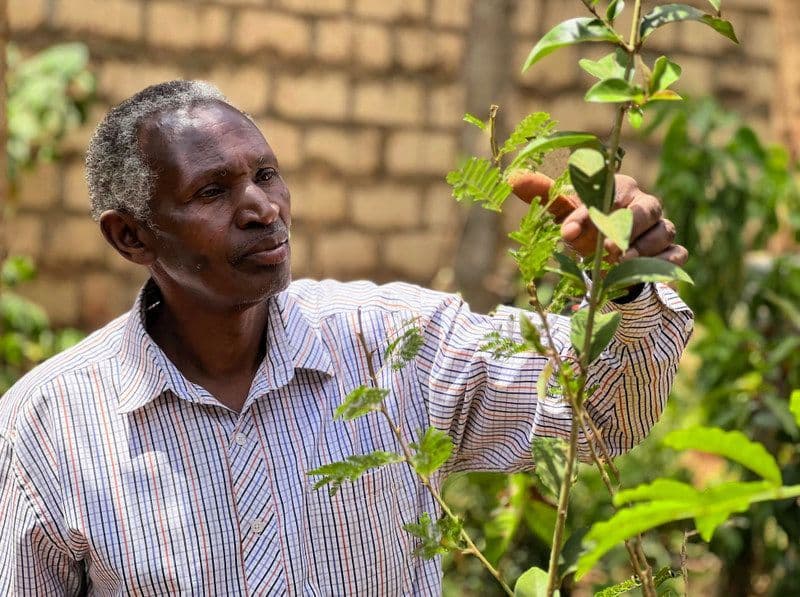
x=653, y=242
x=579, y=232
x=529, y=185
x=674, y=254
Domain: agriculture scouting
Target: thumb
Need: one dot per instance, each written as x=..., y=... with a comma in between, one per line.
x=527, y=185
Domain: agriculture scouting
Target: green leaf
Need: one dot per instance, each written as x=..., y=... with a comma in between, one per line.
x=16, y=269
x=569, y=269
x=550, y=458
x=794, y=406
x=530, y=333
x=500, y=346
x=336, y=473
x=479, y=181
x=359, y=402
x=605, y=324
x=542, y=145
x=544, y=379
x=732, y=444
x=617, y=225
x=610, y=66
x=588, y=173
x=619, y=588
x=569, y=32
x=716, y=4
x=670, y=13
x=665, y=73
x=789, y=309
x=532, y=126
x=474, y=120
x=431, y=452
x=532, y=583
x=643, y=269
x=635, y=117
x=614, y=90
x=405, y=348
x=435, y=538
x=537, y=236
x=660, y=489
x=666, y=95
x=614, y=9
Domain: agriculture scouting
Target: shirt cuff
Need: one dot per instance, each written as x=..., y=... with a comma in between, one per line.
x=644, y=315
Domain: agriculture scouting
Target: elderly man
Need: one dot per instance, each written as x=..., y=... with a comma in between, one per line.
x=168, y=452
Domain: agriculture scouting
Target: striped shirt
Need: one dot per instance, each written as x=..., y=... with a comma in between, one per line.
x=119, y=476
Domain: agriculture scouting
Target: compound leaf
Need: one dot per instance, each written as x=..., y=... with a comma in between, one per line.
x=335, y=474
x=434, y=537
x=479, y=181
x=359, y=402
x=431, y=452
x=532, y=126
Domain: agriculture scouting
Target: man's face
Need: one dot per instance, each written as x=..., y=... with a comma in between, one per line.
x=220, y=214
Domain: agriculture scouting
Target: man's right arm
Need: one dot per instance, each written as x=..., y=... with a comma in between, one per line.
x=33, y=558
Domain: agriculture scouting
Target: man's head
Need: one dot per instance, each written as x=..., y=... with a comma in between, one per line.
x=185, y=184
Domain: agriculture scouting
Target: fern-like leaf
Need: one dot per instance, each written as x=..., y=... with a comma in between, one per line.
x=478, y=181
x=533, y=125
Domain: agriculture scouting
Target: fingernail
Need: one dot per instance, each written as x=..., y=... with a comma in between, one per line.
x=630, y=254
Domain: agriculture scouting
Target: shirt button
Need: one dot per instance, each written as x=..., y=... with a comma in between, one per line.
x=258, y=526
x=688, y=326
x=240, y=439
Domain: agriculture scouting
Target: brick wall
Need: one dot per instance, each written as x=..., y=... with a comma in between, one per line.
x=361, y=100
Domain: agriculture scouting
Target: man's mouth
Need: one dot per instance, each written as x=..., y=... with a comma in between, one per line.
x=269, y=252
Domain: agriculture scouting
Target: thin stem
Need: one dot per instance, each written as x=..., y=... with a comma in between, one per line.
x=493, y=134
x=404, y=447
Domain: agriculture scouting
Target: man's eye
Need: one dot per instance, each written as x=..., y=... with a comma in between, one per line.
x=265, y=174
x=210, y=192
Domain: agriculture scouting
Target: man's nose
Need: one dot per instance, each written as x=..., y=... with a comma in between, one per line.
x=256, y=207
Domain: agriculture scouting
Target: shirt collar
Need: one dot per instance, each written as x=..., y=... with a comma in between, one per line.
x=146, y=372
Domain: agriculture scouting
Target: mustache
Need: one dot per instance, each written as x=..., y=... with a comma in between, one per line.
x=275, y=233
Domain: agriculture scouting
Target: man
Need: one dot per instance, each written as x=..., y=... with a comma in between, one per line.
x=168, y=452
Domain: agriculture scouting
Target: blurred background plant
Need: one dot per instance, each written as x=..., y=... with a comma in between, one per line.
x=734, y=200
x=49, y=94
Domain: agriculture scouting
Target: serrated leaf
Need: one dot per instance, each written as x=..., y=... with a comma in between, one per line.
x=474, y=120
x=733, y=445
x=588, y=173
x=532, y=583
x=671, y=13
x=665, y=73
x=794, y=406
x=335, y=474
x=530, y=333
x=359, y=402
x=605, y=324
x=643, y=269
x=550, y=457
x=532, y=126
x=537, y=236
x=477, y=180
x=434, y=538
x=405, y=348
x=610, y=66
x=573, y=31
x=542, y=145
x=617, y=225
x=614, y=90
x=431, y=452
x=614, y=9
x=500, y=346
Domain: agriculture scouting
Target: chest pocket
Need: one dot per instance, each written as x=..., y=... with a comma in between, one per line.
x=355, y=541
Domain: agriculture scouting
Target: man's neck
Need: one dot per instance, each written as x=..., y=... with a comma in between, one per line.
x=217, y=348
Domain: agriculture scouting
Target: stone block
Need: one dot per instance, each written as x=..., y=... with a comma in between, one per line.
x=759, y=37
x=416, y=255
x=104, y=296
x=439, y=209
x=314, y=7
x=447, y=105
x=346, y=253
x=301, y=254
x=23, y=235
x=26, y=14
x=372, y=45
x=39, y=188
x=557, y=71
x=59, y=298
x=452, y=13
x=312, y=95
x=334, y=40
x=187, y=25
x=113, y=18
x=246, y=87
x=75, y=239
x=350, y=152
x=119, y=80
x=386, y=206
x=285, y=140
x=286, y=35
x=318, y=197
x=526, y=18
x=389, y=102
x=417, y=152
x=391, y=10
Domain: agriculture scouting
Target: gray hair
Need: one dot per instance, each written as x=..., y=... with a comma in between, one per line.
x=117, y=172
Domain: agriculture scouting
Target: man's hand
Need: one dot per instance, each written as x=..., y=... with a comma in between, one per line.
x=652, y=234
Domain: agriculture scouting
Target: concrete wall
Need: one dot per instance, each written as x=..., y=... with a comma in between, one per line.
x=361, y=99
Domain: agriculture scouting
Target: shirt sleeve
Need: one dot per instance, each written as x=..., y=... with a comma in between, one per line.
x=490, y=407
x=33, y=560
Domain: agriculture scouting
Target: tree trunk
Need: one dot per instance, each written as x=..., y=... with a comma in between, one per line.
x=487, y=77
x=786, y=17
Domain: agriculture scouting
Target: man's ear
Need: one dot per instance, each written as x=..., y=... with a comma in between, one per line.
x=128, y=236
